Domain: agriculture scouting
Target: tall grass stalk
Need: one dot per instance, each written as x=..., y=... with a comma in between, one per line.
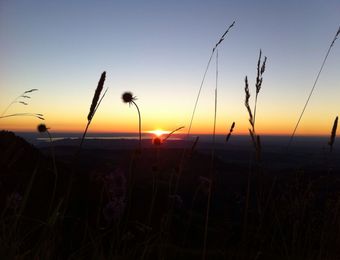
x=96, y=101
x=255, y=138
x=252, y=115
x=94, y=105
x=181, y=163
x=313, y=87
x=204, y=75
x=211, y=166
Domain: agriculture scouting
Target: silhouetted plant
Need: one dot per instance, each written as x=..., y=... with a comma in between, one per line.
x=313, y=87
x=93, y=109
x=95, y=104
x=205, y=73
x=192, y=118
x=130, y=99
x=43, y=129
x=333, y=134
x=39, y=116
x=252, y=132
x=19, y=100
x=252, y=116
x=172, y=132
x=230, y=131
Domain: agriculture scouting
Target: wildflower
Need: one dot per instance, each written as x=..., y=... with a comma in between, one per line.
x=128, y=97
x=42, y=128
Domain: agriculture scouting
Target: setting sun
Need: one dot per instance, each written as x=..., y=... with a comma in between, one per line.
x=158, y=132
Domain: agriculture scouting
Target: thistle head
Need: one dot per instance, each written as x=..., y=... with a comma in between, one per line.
x=128, y=97
x=42, y=128
x=157, y=141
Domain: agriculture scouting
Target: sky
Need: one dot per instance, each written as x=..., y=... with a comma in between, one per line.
x=158, y=50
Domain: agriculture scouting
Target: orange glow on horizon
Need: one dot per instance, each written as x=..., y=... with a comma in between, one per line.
x=158, y=132
x=104, y=124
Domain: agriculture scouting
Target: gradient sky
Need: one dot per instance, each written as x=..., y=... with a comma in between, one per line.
x=159, y=50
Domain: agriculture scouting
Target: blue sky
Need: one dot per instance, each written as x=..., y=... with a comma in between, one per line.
x=159, y=50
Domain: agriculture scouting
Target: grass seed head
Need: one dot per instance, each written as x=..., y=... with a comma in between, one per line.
x=96, y=96
x=333, y=133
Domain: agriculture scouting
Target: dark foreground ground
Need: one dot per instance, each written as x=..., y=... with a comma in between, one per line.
x=111, y=202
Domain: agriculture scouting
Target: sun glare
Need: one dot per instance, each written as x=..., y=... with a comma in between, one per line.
x=159, y=132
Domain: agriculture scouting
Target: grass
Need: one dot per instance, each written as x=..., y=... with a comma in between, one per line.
x=314, y=85
x=20, y=100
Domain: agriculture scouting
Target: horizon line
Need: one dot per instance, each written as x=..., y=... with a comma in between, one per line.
x=178, y=133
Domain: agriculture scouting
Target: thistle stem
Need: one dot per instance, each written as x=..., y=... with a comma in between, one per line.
x=140, y=126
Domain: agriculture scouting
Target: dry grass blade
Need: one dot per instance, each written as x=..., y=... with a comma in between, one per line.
x=260, y=71
x=259, y=80
x=96, y=96
x=335, y=37
x=172, y=132
x=230, y=131
x=17, y=100
x=333, y=134
x=31, y=90
x=246, y=103
x=313, y=87
x=223, y=36
x=39, y=116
